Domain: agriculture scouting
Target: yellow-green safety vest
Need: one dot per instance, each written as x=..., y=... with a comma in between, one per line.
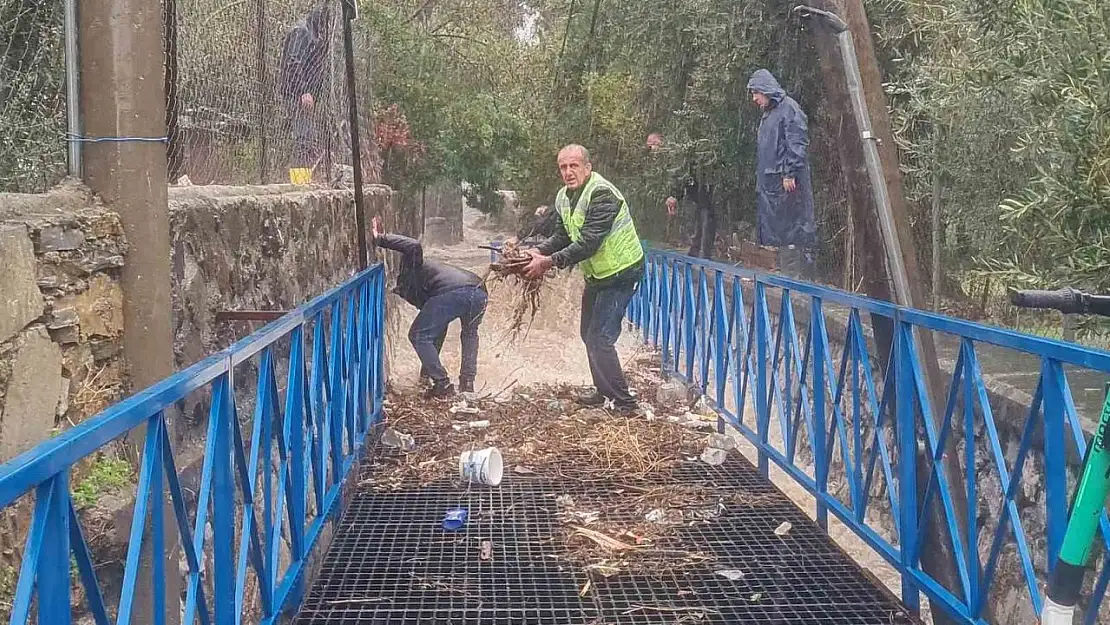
x=620, y=249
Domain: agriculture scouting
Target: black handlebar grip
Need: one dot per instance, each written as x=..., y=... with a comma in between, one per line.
x=1065, y=300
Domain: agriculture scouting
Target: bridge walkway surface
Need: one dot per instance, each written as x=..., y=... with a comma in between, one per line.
x=564, y=539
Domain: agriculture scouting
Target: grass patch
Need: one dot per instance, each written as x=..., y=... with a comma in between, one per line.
x=106, y=475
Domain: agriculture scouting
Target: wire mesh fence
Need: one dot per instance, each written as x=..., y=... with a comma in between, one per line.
x=256, y=92
x=32, y=95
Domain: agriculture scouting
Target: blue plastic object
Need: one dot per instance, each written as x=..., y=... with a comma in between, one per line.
x=455, y=519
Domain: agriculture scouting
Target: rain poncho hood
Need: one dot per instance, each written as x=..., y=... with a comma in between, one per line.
x=763, y=81
x=783, y=217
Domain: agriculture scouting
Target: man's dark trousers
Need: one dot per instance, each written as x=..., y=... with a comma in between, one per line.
x=468, y=305
x=603, y=310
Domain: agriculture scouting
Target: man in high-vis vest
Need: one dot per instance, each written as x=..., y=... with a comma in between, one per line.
x=595, y=231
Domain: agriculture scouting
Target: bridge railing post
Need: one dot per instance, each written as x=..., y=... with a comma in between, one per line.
x=761, y=389
x=907, y=458
x=820, y=390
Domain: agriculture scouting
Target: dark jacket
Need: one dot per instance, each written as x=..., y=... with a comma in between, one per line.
x=303, y=56
x=600, y=215
x=543, y=226
x=783, y=218
x=421, y=279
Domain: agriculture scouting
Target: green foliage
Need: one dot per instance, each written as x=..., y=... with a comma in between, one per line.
x=442, y=65
x=106, y=475
x=1010, y=109
x=32, y=95
x=1000, y=111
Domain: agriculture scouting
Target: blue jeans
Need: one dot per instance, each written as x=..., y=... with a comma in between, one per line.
x=603, y=311
x=468, y=305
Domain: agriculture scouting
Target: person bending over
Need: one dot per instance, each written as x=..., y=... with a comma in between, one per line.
x=442, y=293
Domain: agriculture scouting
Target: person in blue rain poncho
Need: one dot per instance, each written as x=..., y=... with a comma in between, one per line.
x=784, y=189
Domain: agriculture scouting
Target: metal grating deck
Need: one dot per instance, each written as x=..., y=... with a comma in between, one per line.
x=391, y=562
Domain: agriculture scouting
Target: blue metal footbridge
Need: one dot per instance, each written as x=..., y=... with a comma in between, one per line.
x=283, y=530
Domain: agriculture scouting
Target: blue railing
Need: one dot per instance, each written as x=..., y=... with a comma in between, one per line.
x=263, y=502
x=820, y=409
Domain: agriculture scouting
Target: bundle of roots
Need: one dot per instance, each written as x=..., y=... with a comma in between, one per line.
x=525, y=292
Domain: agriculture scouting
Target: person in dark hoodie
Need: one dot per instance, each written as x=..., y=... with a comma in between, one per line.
x=784, y=190
x=442, y=293
x=303, y=58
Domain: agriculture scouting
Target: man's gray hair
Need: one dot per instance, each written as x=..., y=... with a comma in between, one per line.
x=577, y=148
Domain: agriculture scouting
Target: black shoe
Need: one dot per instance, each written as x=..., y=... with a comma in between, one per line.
x=441, y=390
x=593, y=400
x=466, y=385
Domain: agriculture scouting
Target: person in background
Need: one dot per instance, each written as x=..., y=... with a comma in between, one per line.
x=542, y=225
x=703, y=241
x=784, y=190
x=693, y=188
x=442, y=293
x=595, y=231
x=303, y=57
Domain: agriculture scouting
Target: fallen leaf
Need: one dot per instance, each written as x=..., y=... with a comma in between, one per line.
x=521, y=470
x=604, y=570
x=602, y=540
x=585, y=588
x=756, y=596
x=783, y=529
x=587, y=518
x=486, y=550
x=731, y=574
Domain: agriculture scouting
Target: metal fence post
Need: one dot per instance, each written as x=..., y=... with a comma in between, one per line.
x=53, y=570
x=73, y=87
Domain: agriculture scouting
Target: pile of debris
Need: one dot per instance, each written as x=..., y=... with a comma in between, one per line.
x=525, y=292
x=624, y=512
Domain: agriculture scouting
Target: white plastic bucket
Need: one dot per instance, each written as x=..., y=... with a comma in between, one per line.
x=484, y=466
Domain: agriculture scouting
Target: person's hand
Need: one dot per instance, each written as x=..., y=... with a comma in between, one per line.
x=672, y=205
x=308, y=101
x=789, y=184
x=376, y=227
x=537, y=266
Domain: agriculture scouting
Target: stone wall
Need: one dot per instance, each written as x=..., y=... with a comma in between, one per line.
x=443, y=214
x=256, y=248
x=61, y=323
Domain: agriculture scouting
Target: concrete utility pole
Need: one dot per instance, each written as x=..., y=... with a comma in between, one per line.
x=124, y=119
x=862, y=87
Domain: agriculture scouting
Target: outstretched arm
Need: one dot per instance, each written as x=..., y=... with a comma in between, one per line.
x=410, y=248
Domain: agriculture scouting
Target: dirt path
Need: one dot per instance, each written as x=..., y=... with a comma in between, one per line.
x=551, y=352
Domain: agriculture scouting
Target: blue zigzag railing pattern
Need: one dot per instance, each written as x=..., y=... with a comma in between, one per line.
x=826, y=414
x=265, y=496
